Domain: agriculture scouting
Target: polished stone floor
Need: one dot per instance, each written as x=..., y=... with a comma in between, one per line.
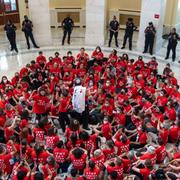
x=10, y=62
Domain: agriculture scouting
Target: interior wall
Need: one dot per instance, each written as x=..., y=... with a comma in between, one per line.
x=172, y=16
x=67, y=3
x=125, y=4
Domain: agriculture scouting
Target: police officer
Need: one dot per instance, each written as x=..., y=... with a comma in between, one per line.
x=10, y=29
x=27, y=28
x=130, y=28
x=172, y=43
x=149, y=38
x=67, y=25
x=114, y=28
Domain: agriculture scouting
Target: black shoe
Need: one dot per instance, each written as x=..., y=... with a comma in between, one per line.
x=11, y=49
x=178, y=61
x=151, y=54
x=62, y=44
x=69, y=43
x=130, y=49
x=28, y=48
x=117, y=46
x=144, y=52
x=36, y=47
x=109, y=46
x=123, y=47
x=16, y=50
x=166, y=58
x=173, y=60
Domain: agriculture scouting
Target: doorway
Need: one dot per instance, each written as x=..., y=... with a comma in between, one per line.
x=9, y=10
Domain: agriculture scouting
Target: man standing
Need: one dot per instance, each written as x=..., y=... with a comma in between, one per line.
x=130, y=28
x=172, y=43
x=114, y=28
x=149, y=38
x=10, y=29
x=79, y=104
x=67, y=25
x=27, y=28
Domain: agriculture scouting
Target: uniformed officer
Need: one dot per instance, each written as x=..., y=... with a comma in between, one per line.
x=149, y=38
x=130, y=28
x=10, y=29
x=172, y=43
x=27, y=28
x=114, y=28
x=67, y=25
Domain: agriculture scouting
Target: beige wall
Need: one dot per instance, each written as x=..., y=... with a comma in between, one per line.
x=172, y=15
x=125, y=4
x=22, y=9
x=67, y=3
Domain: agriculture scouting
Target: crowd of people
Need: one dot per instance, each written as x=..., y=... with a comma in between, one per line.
x=130, y=128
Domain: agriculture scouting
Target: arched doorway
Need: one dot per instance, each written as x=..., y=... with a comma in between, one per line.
x=9, y=10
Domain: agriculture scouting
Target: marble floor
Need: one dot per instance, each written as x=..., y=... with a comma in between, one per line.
x=10, y=62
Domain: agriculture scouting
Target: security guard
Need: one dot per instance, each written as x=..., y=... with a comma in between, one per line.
x=149, y=38
x=114, y=28
x=172, y=43
x=67, y=25
x=130, y=28
x=27, y=28
x=10, y=29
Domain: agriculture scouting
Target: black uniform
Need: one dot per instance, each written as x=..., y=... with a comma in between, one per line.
x=130, y=28
x=114, y=26
x=27, y=29
x=68, y=27
x=173, y=40
x=11, y=35
x=149, y=39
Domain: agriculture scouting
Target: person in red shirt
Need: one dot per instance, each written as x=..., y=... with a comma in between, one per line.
x=122, y=145
x=97, y=55
x=57, y=59
x=78, y=159
x=92, y=172
x=63, y=110
x=143, y=173
x=82, y=57
x=105, y=129
x=41, y=59
x=99, y=158
x=139, y=63
x=174, y=132
x=51, y=139
x=61, y=154
x=115, y=165
x=161, y=152
x=74, y=175
x=41, y=103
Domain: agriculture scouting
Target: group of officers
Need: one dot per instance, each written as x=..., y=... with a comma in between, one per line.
x=68, y=23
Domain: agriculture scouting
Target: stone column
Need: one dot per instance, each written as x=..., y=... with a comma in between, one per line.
x=152, y=11
x=96, y=11
x=39, y=14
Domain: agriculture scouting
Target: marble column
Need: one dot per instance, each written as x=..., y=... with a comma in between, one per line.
x=39, y=14
x=96, y=11
x=152, y=11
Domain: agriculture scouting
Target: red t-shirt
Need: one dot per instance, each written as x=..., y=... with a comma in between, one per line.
x=99, y=161
x=60, y=154
x=97, y=55
x=122, y=147
x=145, y=172
x=91, y=174
x=51, y=141
x=40, y=104
x=78, y=164
x=161, y=153
x=174, y=133
x=118, y=169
